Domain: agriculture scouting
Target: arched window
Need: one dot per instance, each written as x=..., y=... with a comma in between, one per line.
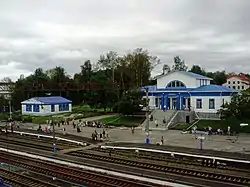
x=175, y=84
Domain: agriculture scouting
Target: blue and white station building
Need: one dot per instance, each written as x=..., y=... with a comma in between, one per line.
x=181, y=90
x=44, y=106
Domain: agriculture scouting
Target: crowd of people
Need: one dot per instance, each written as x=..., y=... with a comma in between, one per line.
x=78, y=125
x=208, y=130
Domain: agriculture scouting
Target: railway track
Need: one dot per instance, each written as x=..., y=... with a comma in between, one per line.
x=32, y=144
x=205, y=152
x=20, y=180
x=31, y=137
x=161, y=167
x=83, y=177
x=69, y=136
x=42, y=143
x=240, y=167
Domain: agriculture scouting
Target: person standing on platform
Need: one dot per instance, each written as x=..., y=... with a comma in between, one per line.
x=195, y=131
x=64, y=130
x=209, y=132
x=78, y=129
x=162, y=140
x=229, y=130
x=156, y=123
x=103, y=132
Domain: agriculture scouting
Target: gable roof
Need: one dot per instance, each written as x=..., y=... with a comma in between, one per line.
x=194, y=75
x=50, y=100
x=240, y=76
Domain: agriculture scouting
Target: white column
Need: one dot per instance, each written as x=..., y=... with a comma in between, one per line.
x=159, y=102
x=170, y=103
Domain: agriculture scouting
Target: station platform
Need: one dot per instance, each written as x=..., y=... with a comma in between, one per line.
x=171, y=138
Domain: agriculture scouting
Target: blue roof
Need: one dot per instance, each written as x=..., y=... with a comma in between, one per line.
x=196, y=76
x=205, y=88
x=51, y=100
x=151, y=88
x=213, y=87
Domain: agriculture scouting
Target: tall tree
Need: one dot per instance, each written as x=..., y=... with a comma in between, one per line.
x=165, y=69
x=109, y=61
x=140, y=63
x=179, y=64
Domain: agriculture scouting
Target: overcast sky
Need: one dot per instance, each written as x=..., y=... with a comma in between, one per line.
x=48, y=33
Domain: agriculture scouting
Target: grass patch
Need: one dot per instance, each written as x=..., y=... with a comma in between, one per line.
x=181, y=126
x=126, y=121
x=58, y=117
x=87, y=108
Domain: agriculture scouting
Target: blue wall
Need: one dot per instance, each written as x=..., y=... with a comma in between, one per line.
x=181, y=95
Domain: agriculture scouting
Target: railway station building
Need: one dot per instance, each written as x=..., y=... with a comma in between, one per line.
x=181, y=90
x=44, y=106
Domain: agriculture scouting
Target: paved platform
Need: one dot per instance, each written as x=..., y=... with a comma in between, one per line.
x=171, y=137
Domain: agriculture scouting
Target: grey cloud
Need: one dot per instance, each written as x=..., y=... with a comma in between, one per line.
x=211, y=33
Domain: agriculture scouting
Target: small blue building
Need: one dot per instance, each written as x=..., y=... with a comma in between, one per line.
x=44, y=106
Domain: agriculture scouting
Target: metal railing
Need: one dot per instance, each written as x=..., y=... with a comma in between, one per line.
x=172, y=117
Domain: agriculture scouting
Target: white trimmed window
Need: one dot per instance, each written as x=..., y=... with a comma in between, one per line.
x=211, y=104
x=199, y=103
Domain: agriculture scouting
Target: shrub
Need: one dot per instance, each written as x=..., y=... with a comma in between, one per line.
x=27, y=119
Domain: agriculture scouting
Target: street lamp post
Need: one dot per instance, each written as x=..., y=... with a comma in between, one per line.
x=54, y=137
x=53, y=129
x=147, y=118
x=10, y=112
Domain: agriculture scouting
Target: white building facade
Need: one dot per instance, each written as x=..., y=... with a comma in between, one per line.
x=180, y=90
x=237, y=82
x=44, y=106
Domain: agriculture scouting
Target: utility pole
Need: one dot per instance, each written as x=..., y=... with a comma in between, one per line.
x=147, y=118
x=10, y=112
x=54, y=137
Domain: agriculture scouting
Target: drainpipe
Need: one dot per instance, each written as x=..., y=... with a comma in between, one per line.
x=222, y=102
x=190, y=99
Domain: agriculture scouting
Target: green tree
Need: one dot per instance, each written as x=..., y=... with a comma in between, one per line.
x=179, y=64
x=130, y=103
x=165, y=69
x=140, y=64
x=219, y=77
x=237, y=111
x=198, y=70
x=239, y=107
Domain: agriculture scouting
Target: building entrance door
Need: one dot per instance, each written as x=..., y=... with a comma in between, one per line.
x=174, y=103
x=159, y=102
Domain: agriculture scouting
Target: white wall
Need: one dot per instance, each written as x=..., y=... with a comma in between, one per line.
x=189, y=81
x=205, y=103
x=45, y=110
x=238, y=83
